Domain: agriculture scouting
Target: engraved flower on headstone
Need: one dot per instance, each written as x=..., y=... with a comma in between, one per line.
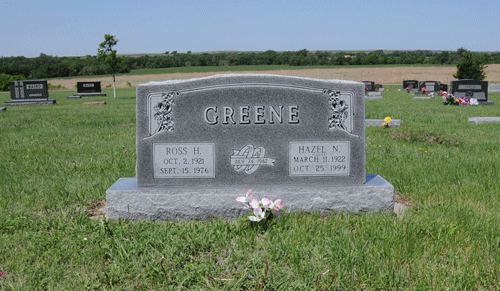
x=163, y=113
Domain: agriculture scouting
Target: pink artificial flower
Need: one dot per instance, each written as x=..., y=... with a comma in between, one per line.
x=1, y=274
x=259, y=214
x=277, y=206
x=265, y=202
x=245, y=199
x=254, y=203
x=423, y=89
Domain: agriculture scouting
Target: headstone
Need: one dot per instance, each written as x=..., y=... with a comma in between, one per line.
x=430, y=86
x=378, y=122
x=373, y=96
x=470, y=88
x=29, y=92
x=95, y=103
x=477, y=120
x=412, y=84
x=88, y=89
x=494, y=87
x=202, y=142
x=370, y=85
x=3, y=108
x=443, y=87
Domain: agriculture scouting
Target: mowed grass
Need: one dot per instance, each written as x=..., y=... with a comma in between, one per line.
x=57, y=161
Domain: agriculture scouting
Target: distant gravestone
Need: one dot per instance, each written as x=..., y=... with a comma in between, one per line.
x=494, y=87
x=373, y=96
x=444, y=87
x=3, y=108
x=29, y=92
x=430, y=86
x=369, y=85
x=202, y=142
x=412, y=84
x=469, y=88
x=88, y=89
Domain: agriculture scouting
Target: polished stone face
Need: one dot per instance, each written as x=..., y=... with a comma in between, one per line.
x=250, y=130
x=470, y=88
x=34, y=89
x=88, y=87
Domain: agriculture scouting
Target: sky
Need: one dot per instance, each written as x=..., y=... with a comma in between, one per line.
x=75, y=28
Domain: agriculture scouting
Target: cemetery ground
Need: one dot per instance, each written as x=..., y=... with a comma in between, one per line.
x=58, y=160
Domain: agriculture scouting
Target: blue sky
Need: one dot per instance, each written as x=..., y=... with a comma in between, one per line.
x=75, y=28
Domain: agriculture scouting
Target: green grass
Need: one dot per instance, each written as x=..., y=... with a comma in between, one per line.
x=57, y=161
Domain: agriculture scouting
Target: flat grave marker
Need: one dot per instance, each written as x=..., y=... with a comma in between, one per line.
x=477, y=120
x=29, y=92
x=202, y=142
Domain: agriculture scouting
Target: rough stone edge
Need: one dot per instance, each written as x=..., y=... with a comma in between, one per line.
x=478, y=120
x=124, y=200
x=233, y=75
x=378, y=122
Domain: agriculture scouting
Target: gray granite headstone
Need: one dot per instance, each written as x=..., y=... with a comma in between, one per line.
x=471, y=89
x=373, y=96
x=494, y=87
x=202, y=142
x=490, y=119
x=378, y=122
x=29, y=92
x=430, y=86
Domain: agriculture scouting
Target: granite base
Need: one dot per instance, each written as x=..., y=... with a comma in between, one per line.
x=80, y=95
x=15, y=102
x=124, y=200
x=480, y=102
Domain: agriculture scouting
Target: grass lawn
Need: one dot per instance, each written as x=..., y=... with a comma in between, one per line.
x=57, y=161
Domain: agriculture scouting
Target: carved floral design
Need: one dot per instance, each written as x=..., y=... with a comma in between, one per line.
x=163, y=112
x=339, y=110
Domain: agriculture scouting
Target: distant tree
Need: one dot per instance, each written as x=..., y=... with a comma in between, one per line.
x=166, y=52
x=469, y=67
x=106, y=53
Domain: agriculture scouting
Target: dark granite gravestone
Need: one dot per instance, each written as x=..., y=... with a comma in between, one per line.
x=430, y=86
x=412, y=84
x=471, y=89
x=88, y=89
x=202, y=142
x=29, y=92
x=443, y=87
x=369, y=85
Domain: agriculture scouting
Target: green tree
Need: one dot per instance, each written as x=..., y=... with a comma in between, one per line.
x=106, y=53
x=469, y=67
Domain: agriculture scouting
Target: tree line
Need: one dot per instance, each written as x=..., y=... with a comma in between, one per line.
x=46, y=66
